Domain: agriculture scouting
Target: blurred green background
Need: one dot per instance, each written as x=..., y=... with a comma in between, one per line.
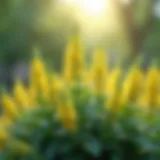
x=47, y=24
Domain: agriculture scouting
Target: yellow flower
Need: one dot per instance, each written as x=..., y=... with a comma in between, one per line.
x=113, y=102
x=5, y=120
x=32, y=96
x=36, y=68
x=99, y=72
x=19, y=147
x=3, y=138
x=56, y=86
x=132, y=86
x=43, y=85
x=113, y=80
x=20, y=95
x=159, y=100
x=67, y=113
x=151, y=90
x=38, y=77
x=152, y=80
x=148, y=101
x=74, y=60
x=9, y=106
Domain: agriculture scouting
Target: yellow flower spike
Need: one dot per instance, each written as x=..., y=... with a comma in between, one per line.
x=113, y=80
x=141, y=101
x=158, y=100
x=74, y=60
x=9, y=106
x=99, y=58
x=5, y=120
x=152, y=81
x=3, y=138
x=37, y=67
x=38, y=77
x=43, y=86
x=20, y=95
x=99, y=72
x=114, y=102
x=132, y=86
x=152, y=87
x=148, y=102
x=67, y=113
x=56, y=86
x=32, y=96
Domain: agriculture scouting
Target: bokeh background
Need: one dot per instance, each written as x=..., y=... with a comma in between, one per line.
x=127, y=29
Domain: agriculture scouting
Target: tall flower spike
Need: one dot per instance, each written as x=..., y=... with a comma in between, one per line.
x=38, y=77
x=74, y=60
x=3, y=138
x=99, y=71
x=20, y=95
x=31, y=91
x=132, y=85
x=67, y=113
x=5, y=120
x=152, y=87
x=37, y=67
x=9, y=106
x=113, y=102
x=113, y=80
x=56, y=85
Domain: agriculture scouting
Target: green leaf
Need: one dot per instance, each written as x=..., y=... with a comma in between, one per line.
x=92, y=146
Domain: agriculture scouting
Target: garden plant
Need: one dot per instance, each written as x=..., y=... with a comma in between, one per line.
x=85, y=112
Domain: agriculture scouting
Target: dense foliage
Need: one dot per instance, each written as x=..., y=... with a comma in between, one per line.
x=83, y=112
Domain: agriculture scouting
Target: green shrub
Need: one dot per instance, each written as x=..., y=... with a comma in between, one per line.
x=100, y=134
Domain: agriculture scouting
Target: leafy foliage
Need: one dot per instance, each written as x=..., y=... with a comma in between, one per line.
x=81, y=113
x=101, y=134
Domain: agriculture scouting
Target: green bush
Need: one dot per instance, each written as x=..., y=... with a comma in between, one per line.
x=100, y=134
x=69, y=116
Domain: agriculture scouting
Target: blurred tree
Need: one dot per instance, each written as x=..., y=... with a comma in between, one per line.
x=25, y=24
x=47, y=25
x=138, y=18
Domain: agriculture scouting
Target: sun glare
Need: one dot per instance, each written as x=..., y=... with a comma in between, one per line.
x=90, y=15
x=89, y=7
x=92, y=7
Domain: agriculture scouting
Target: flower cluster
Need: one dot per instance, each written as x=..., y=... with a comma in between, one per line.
x=118, y=87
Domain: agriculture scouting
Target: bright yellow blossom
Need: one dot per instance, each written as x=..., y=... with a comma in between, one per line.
x=113, y=80
x=32, y=93
x=38, y=77
x=9, y=106
x=56, y=86
x=132, y=86
x=151, y=90
x=99, y=72
x=74, y=60
x=152, y=81
x=5, y=120
x=113, y=102
x=43, y=85
x=158, y=100
x=3, y=138
x=67, y=113
x=36, y=69
x=20, y=95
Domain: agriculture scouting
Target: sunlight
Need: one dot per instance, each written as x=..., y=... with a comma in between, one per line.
x=68, y=1
x=89, y=7
x=93, y=7
x=90, y=15
x=125, y=1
